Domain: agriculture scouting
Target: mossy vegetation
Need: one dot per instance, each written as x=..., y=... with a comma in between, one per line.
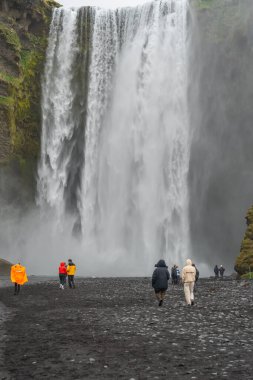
x=247, y=276
x=244, y=262
x=23, y=36
x=21, y=93
x=9, y=79
x=6, y=101
x=10, y=36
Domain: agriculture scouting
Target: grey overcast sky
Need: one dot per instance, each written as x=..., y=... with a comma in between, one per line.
x=101, y=3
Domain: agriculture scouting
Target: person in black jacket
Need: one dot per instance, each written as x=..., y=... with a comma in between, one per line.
x=197, y=273
x=221, y=270
x=160, y=280
x=174, y=275
x=196, y=277
x=216, y=271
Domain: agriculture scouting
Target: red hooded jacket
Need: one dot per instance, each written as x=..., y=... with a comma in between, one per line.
x=62, y=268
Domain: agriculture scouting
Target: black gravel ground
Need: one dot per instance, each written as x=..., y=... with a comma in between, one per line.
x=113, y=329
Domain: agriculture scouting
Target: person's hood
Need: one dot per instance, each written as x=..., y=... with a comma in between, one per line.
x=188, y=262
x=161, y=263
x=62, y=264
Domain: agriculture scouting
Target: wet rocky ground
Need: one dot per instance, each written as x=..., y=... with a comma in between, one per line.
x=113, y=329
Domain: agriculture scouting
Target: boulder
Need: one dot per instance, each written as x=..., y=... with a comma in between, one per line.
x=5, y=267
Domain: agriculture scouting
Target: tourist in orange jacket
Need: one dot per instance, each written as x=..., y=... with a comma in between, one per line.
x=18, y=276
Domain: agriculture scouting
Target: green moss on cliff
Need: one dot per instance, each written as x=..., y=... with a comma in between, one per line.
x=23, y=39
x=10, y=36
x=248, y=276
x=20, y=90
x=244, y=262
x=6, y=101
x=27, y=102
x=9, y=79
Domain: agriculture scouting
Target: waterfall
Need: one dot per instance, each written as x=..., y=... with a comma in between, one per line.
x=129, y=133
x=57, y=123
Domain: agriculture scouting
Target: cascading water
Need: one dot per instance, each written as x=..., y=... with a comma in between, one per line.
x=58, y=125
x=130, y=194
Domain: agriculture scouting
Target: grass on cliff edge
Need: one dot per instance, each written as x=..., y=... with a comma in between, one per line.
x=6, y=101
x=10, y=36
x=247, y=276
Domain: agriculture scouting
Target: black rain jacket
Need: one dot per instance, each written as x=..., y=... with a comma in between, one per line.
x=160, y=276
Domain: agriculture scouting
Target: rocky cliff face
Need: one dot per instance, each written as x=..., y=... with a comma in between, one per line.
x=220, y=97
x=23, y=37
x=244, y=262
x=24, y=28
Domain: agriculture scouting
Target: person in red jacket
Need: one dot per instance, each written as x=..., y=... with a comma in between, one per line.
x=62, y=274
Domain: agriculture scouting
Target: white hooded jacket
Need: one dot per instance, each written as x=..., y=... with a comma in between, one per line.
x=188, y=272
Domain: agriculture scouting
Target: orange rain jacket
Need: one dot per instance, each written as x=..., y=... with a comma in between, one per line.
x=18, y=274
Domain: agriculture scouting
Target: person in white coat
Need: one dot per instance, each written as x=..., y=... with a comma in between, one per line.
x=188, y=279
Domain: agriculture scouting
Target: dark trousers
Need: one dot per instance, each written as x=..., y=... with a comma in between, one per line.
x=17, y=288
x=71, y=281
x=62, y=278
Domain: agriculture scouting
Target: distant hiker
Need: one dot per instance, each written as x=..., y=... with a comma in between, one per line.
x=71, y=270
x=221, y=270
x=197, y=273
x=216, y=271
x=188, y=278
x=178, y=275
x=18, y=276
x=160, y=280
x=62, y=274
x=196, y=277
x=174, y=275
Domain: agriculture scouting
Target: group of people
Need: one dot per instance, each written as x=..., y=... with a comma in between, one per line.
x=19, y=277
x=161, y=276
x=219, y=271
x=175, y=275
x=67, y=271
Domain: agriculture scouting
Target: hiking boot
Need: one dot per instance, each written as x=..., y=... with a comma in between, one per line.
x=160, y=302
x=192, y=302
